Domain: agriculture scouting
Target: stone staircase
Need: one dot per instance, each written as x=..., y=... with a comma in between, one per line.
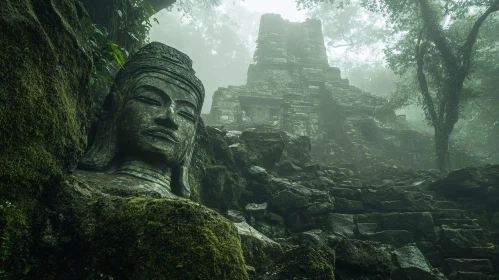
x=399, y=216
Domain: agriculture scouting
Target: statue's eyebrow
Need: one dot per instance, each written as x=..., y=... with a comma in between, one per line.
x=165, y=96
x=156, y=90
x=185, y=102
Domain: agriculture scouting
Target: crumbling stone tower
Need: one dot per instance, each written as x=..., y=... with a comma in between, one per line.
x=291, y=86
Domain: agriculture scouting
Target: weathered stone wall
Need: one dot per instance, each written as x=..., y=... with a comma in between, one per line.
x=346, y=124
x=292, y=66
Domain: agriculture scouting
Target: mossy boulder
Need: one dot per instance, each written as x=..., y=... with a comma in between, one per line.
x=355, y=258
x=95, y=236
x=45, y=66
x=304, y=262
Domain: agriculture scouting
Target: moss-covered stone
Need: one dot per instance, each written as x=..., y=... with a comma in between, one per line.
x=44, y=70
x=306, y=262
x=259, y=251
x=136, y=238
x=166, y=239
x=356, y=258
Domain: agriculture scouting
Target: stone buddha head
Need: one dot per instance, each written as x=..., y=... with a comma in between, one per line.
x=150, y=117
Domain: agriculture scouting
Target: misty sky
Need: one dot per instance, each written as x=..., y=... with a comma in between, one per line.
x=173, y=31
x=287, y=8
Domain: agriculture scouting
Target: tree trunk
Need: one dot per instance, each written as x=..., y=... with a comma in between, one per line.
x=442, y=150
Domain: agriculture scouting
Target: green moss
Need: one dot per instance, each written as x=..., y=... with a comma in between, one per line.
x=13, y=251
x=165, y=239
x=43, y=112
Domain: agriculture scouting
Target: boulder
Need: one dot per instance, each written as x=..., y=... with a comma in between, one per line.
x=349, y=206
x=458, y=242
x=396, y=238
x=314, y=216
x=257, y=211
x=304, y=262
x=259, y=250
x=410, y=264
x=357, y=259
x=467, y=265
x=479, y=183
x=264, y=148
x=136, y=238
x=287, y=168
x=420, y=224
x=220, y=190
x=341, y=225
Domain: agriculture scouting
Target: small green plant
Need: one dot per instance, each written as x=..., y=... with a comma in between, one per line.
x=105, y=53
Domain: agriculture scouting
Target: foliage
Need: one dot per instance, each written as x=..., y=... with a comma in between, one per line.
x=479, y=126
x=355, y=38
x=428, y=44
x=105, y=53
x=188, y=7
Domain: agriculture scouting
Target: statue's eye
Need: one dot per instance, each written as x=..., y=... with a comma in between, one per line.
x=148, y=100
x=188, y=115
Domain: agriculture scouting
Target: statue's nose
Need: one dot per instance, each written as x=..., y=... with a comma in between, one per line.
x=169, y=118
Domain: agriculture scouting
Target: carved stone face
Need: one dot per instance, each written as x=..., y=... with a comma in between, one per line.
x=158, y=121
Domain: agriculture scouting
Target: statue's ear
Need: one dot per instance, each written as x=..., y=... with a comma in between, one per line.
x=180, y=175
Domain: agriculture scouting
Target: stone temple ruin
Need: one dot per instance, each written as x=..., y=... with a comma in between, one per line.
x=291, y=87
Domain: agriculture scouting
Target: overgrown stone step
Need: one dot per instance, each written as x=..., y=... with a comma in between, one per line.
x=443, y=204
x=419, y=224
x=455, y=222
x=419, y=205
x=460, y=275
x=396, y=238
x=482, y=252
x=347, y=193
x=346, y=206
x=367, y=228
x=459, y=242
x=449, y=214
x=467, y=265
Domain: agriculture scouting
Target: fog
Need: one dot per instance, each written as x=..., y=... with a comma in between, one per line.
x=368, y=46
x=239, y=22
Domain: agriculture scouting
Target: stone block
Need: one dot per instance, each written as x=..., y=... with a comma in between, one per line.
x=396, y=238
x=342, y=192
x=257, y=211
x=459, y=242
x=259, y=251
x=420, y=224
x=341, y=224
x=468, y=276
x=442, y=204
x=468, y=265
x=410, y=264
x=449, y=214
x=394, y=206
x=357, y=259
x=349, y=206
x=367, y=228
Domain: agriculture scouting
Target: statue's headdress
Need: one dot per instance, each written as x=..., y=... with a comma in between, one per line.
x=157, y=58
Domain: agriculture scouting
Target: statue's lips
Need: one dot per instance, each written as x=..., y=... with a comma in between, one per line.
x=163, y=133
